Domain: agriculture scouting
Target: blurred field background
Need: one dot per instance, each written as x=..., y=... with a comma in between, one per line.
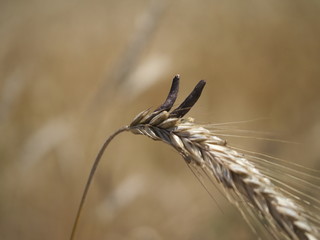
x=72, y=72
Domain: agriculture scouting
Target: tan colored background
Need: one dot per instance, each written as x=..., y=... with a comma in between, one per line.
x=72, y=72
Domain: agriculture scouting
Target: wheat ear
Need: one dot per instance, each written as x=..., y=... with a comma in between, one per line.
x=281, y=215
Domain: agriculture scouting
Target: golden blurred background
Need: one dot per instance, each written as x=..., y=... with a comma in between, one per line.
x=72, y=72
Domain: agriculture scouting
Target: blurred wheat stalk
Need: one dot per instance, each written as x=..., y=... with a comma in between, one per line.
x=282, y=215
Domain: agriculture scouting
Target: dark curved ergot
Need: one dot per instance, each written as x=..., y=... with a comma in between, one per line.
x=172, y=96
x=188, y=103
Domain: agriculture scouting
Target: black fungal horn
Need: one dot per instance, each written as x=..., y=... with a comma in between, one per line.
x=188, y=103
x=172, y=96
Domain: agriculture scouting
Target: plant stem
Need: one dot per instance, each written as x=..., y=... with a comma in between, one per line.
x=88, y=183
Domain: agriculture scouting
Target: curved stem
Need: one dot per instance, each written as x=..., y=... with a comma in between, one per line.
x=93, y=169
